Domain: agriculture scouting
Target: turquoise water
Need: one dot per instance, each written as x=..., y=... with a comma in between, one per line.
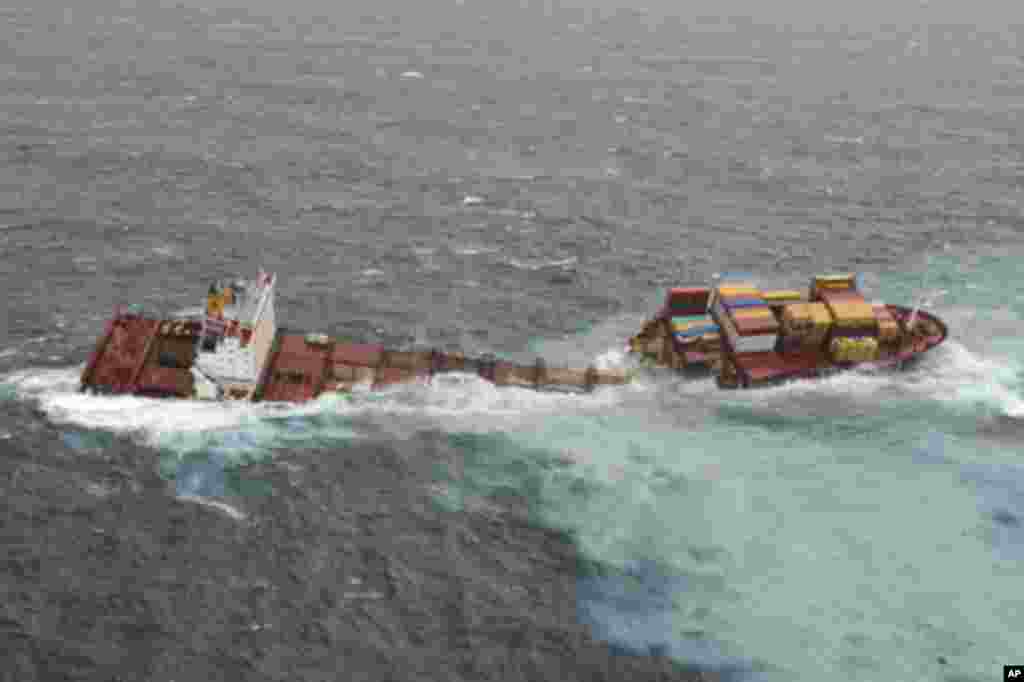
x=865, y=527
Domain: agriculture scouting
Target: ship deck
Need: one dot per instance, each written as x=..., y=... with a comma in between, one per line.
x=138, y=355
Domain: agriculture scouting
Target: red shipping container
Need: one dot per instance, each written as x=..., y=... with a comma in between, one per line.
x=840, y=295
x=749, y=326
x=687, y=301
x=688, y=294
x=770, y=365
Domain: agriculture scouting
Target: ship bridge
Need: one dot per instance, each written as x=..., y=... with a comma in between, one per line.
x=238, y=332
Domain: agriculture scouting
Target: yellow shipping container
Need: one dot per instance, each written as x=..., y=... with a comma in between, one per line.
x=841, y=349
x=820, y=315
x=832, y=282
x=845, y=349
x=847, y=278
x=852, y=313
x=797, y=316
x=782, y=296
x=745, y=291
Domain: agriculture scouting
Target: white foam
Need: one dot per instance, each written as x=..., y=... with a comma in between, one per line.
x=473, y=250
x=614, y=359
x=214, y=504
x=463, y=401
x=541, y=264
x=950, y=374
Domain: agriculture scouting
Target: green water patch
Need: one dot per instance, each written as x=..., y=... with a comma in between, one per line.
x=853, y=557
x=891, y=422
x=87, y=440
x=982, y=281
x=8, y=392
x=212, y=474
x=494, y=466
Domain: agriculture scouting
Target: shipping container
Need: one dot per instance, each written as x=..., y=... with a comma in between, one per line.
x=770, y=367
x=852, y=314
x=697, y=332
x=888, y=331
x=679, y=324
x=748, y=326
x=850, y=350
x=838, y=296
x=732, y=302
x=846, y=280
x=763, y=313
x=755, y=343
x=782, y=296
x=732, y=292
x=686, y=301
x=888, y=328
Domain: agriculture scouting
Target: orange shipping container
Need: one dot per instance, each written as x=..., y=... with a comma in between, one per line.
x=753, y=314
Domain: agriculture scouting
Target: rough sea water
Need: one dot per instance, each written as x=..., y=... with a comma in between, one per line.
x=517, y=178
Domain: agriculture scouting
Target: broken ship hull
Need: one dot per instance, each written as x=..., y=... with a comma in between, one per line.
x=138, y=355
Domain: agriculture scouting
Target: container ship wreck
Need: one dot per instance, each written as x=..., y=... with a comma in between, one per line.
x=741, y=335
x=234, y=350
x=747, y=337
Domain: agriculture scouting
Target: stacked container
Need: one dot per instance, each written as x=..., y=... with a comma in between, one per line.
x=852, y=316
x=855, y=327
x=747, y=322
x=832, y=283
x=848, y=350
x=686, y=301
x=805, y=326
x=782, y=297
x=691, y=328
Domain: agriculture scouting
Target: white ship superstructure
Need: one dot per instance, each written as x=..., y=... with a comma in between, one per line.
x=238, y=332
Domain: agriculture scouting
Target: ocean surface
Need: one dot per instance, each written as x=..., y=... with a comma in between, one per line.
x=523, y=179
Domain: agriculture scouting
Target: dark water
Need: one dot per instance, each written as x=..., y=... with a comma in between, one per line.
x=511, y=178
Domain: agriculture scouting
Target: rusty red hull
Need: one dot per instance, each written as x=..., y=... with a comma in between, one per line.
x=154, y=357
